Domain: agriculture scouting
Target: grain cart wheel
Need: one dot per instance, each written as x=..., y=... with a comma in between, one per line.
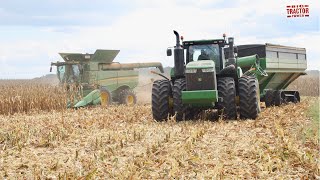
x=161, y=95
x=182, y=111
x=127, y=97
x=296, y=97
x=269, y=98
x=227, y=91
x=249, y=97
x=279, y=98
x=105, y=97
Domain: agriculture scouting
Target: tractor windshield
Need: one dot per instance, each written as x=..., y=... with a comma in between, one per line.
x=204, y=52
x=69, y=73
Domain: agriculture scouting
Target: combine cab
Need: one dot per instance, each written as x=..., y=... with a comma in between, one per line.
x=93, y=79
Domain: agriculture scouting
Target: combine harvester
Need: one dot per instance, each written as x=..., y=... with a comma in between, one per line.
x=216, y=75
x=93, y=79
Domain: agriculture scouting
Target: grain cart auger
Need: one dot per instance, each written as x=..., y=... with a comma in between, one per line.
x=204, y=79
x=93, y=79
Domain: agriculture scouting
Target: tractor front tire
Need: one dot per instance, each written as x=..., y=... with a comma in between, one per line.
x=161, y=94
x=182, y=111
x=227, y=92
x=249, y=96
x=127, y=97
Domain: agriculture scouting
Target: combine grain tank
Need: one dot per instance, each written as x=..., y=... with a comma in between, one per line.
x=95, y=79
x=283, y=64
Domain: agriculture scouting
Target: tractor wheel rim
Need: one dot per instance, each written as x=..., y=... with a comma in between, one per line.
x=130, y=100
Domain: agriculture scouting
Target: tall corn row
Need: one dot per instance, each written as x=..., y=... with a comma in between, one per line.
x=23, y=96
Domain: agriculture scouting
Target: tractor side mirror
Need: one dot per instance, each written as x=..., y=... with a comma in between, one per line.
x=169, y=52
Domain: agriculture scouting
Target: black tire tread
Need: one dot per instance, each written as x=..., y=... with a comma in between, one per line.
x=227, y=91
x=161, y=91
x=182, y=111
x=249, y=105
x=269, y=98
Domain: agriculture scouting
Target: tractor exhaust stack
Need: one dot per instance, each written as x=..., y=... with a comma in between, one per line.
x=178, y=57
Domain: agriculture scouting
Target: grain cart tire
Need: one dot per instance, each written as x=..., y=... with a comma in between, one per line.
x=227, y=92
x=105, y=96
x=269, y=98
x=182, y=111
x=296, y=97
x=279, y=98
x=161, y=94
x=127, y=97
x=249, y=97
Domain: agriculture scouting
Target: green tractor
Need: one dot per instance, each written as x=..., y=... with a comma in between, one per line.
x=203, y=79
x=94, y=79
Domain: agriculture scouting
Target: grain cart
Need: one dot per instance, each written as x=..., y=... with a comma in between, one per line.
x=283, y=64
x=95, y=79
x=204, y=79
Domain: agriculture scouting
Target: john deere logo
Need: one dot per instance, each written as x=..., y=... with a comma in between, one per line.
x=199, y=79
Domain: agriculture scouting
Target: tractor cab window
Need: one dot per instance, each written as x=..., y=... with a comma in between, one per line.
x=204, y=52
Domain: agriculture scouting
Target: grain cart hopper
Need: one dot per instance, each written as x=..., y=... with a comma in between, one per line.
x=96, y=79
x=283, y=64
x=204, y=79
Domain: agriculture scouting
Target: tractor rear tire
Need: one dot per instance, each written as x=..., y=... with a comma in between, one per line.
x=269, y=98
x=127, y=97
x=249, y=97
x=182, y=111
x=105, y=97
x=161, y=94
x=227, y=91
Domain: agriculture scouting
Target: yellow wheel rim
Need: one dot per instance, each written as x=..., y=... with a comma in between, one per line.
x=104, y=98
x=130, y=100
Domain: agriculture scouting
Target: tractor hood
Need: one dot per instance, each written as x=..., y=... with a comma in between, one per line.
x=200, y=64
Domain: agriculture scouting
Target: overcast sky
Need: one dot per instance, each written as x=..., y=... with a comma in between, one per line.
x=33, y=32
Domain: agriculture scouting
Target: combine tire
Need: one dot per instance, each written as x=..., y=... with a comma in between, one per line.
x=127, y=97
x=279, y=98
x=161, y=93
x=269, y=98
x=182, y=111
x=105, y=97
x=227, y=91
x=249, y=97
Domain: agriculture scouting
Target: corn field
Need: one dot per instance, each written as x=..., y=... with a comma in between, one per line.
x=41, y=139
x=24, y=96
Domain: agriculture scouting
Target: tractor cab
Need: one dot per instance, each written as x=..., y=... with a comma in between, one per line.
x=202, y=50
